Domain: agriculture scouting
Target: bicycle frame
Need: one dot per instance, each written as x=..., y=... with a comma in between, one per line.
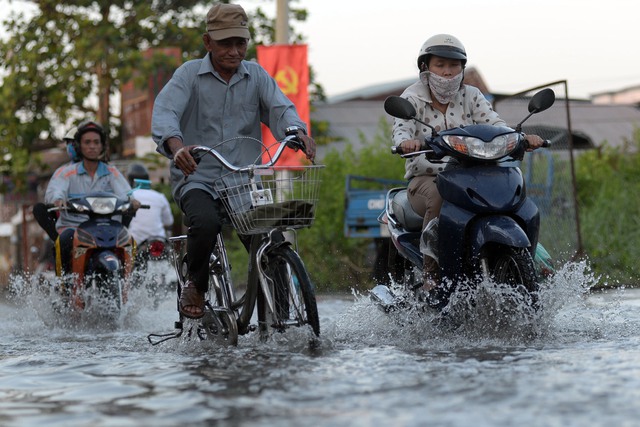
x=276, y=273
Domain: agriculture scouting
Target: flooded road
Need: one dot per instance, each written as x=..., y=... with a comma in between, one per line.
x=578, y=364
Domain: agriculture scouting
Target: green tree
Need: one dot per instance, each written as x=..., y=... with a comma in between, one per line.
x=70, y=52
x=608, y=181
x=334, y=261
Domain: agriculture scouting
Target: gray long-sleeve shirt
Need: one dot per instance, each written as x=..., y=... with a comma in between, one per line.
x=200, y=108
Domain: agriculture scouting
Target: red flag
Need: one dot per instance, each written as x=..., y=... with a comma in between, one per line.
x=287, y=64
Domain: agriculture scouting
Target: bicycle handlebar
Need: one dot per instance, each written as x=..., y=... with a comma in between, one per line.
x=201, y=149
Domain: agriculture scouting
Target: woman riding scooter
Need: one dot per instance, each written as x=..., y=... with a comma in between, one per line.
x=443, y=101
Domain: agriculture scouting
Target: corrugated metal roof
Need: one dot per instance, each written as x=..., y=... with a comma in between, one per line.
x=612, y=123
x=356, y=114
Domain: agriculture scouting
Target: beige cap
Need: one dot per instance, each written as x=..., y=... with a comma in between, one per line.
x=227, y=20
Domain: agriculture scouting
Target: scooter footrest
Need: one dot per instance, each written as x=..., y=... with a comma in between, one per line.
x=382, y=296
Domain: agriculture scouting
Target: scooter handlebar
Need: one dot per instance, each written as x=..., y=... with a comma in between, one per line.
x=396, y=149
x=545, y=144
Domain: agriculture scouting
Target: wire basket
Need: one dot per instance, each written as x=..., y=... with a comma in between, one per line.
x=261, y=200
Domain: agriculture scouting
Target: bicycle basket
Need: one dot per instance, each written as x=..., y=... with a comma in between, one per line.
x=261, y=200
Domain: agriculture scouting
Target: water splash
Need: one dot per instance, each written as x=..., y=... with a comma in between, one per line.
x=37, y=301
x=572, y=310
x=489, y=314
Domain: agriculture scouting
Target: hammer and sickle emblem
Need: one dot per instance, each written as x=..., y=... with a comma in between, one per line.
x=288, y=80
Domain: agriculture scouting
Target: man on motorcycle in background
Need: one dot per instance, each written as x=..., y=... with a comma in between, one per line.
x=87, y=175
x=152, y=222
x=207, y=101
x=444, y=102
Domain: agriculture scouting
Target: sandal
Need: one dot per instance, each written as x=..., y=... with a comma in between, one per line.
x=191, y=298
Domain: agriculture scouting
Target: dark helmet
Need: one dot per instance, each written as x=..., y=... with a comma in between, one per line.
x=137, y=171
x=444, y=45
x=89, y=126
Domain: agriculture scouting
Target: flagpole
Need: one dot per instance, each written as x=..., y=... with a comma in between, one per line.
x=282, y=22
x=283, y=177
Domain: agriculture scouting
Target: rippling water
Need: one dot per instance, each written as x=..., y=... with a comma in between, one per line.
x=577, y=364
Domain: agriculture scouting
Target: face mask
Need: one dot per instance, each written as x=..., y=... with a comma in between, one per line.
x=443, y=89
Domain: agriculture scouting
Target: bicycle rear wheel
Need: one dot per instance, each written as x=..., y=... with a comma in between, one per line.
x=293, y=294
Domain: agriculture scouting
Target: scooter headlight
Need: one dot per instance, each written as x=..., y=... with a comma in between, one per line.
x=498, y=147
x=102, y=205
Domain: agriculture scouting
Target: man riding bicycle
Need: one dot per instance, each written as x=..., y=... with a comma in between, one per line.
x=207, y=101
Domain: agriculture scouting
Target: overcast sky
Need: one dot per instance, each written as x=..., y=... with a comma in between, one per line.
x=514, y=44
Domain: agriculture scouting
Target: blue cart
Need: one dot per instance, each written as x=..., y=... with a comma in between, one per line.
x=364, y=202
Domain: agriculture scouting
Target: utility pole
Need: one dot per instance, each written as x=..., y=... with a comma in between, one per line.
x=282, y=22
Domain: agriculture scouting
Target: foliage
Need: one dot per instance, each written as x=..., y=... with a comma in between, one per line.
x=608, y=183
x=334, y=261
x=56, y=63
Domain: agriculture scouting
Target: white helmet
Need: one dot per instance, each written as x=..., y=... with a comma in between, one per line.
x=444, y=45
x=71, y=135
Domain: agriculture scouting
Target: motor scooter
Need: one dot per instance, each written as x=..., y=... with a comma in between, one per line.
x=487, y=228
x=152, y=263
x=102, y=253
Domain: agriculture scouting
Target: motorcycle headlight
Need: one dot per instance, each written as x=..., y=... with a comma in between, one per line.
x=102, y=205
x=498, y=147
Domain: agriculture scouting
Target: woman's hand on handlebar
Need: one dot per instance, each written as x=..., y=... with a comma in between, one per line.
x=534, y=142
x=410, y=146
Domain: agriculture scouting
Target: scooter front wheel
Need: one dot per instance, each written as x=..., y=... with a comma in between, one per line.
x=515, y=267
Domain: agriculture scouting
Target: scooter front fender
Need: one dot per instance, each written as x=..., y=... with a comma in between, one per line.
x=108, y=261
x=498, y=229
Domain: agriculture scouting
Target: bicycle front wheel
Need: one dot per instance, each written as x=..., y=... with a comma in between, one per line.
x=293, y=295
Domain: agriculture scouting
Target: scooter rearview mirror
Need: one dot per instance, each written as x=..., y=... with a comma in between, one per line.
x=399, y=107
x=542, y=100
x=539, y=102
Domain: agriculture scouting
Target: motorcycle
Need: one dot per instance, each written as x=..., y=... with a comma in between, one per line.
x=153, y=258
x=153, y=264
x=102, y=253
x=487, y=228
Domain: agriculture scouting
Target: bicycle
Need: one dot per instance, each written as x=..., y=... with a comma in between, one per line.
x=261, y=202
